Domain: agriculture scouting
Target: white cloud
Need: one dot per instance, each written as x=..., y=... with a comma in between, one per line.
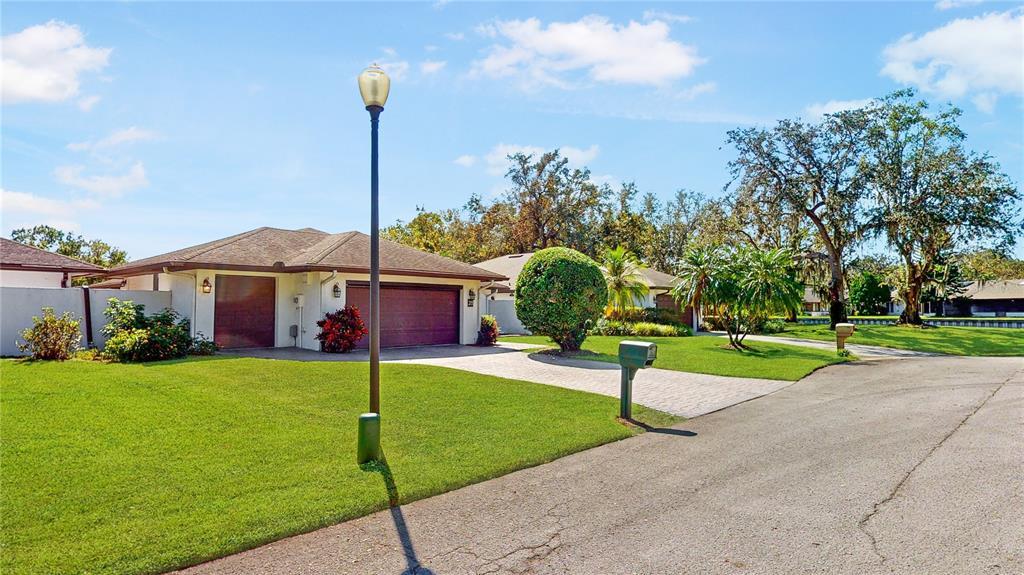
x=691, y=92
x=466, y=160
x=396, y=70
x=455, y=36
x=43, y=63
x=126, y=136
x=113, y=186
x=967, y=55
x=633, y=53
x=86, y=104
x=428, y=67
x=986, y=102
x=817, y=111
x=666, y=17
x=24, y=209
x=487, y=30
x=497, y=158
x=950, y=4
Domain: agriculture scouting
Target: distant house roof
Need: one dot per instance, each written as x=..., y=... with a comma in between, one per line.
x=18, y=256
x=290, y=251
x=658, y=280
x=511, y=265
x=995, y=289
x=109, y=283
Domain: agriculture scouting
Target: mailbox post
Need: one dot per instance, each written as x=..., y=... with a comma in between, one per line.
x=843, y=331
x=633, y=355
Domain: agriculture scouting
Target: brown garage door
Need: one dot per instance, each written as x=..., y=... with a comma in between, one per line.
x=410, y=314
x=243, y=315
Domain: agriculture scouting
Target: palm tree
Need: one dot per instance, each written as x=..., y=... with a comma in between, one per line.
x=626, y=286
x=769, y=283
x=696, y=273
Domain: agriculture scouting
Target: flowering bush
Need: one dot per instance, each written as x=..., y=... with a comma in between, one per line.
x=341, y=330
x=488, y=334
x=52, y=337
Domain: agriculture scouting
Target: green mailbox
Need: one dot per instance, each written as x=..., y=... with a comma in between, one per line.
x=633, y=355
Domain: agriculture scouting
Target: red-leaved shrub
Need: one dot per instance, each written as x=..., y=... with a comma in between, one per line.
x=341, y=330
x=488, y=334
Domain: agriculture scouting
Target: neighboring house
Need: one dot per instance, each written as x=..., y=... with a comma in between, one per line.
x=268, y=287
x=26, y=266
x=813, y=304
x=499, y=299
x=996, y=298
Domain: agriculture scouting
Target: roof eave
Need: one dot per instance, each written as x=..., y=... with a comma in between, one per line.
x=183, y=266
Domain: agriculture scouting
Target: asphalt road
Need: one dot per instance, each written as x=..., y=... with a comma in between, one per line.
x=909, y=466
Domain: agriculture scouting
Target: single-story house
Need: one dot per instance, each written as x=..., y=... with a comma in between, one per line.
x=26, y=266
x=268, y=287
x=994, y=298
x=499, y=299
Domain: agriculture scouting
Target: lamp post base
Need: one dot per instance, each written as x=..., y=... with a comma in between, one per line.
x=368, y=443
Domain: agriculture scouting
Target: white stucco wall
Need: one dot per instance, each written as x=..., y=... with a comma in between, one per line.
x=23, y=278
x=18, y=305
x=188, y=300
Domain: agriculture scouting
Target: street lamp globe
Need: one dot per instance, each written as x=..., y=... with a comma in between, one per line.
x=374, y=85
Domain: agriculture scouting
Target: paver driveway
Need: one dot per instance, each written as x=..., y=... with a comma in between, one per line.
x=676, y=392
x=911, y=466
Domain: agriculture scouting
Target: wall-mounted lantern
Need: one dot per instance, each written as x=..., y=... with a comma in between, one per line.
x=471, y=298
x=207, y=286
x=336, y=291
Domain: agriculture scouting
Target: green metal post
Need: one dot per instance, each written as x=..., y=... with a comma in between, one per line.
x=626, y=393
x=368, y=447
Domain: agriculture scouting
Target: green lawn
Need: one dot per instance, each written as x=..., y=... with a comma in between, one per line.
x=707, y=354
x=951, y=340
x=144, y=468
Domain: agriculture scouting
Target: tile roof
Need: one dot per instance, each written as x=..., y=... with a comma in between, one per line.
x=274, y=249
x=14, y=255
x=511, y=265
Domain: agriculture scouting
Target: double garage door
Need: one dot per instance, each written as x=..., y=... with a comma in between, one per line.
x=410, y=314
x=245, y=310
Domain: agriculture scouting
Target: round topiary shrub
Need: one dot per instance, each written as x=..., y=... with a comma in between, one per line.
x=560, y=292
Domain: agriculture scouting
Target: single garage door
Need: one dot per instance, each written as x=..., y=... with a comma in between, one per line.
x=410, y=314
x=243, y=314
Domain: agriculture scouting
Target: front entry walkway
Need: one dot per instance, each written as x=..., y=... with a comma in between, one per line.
x=675, y=392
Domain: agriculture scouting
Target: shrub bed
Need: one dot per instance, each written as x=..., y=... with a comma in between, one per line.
x=134, y=337
x=638, y=329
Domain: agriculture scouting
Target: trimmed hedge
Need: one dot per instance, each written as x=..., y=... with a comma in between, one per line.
x=560, y=293
x=638, y=329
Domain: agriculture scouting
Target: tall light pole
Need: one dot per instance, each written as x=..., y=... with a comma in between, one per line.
x=374, y=86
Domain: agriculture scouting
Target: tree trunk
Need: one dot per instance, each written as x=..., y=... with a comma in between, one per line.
x=836, y=301
x=791, y=315
x=836, y=293
x=912, y=299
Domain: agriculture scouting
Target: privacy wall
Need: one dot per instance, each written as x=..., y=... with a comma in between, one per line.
x=19, y=305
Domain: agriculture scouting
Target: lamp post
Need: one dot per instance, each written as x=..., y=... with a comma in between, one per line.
x=374, y=86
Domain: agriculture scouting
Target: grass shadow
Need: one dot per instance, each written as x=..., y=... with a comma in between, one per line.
x=412, y=562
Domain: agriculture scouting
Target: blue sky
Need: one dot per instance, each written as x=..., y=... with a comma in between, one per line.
x=160, y=125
